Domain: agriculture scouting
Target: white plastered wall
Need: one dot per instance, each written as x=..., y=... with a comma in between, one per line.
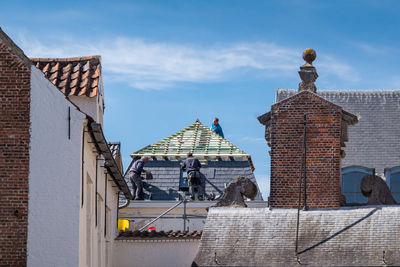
x=54, y=178
x=96, y=240
x=89, y=105
x=93, y=106
x=161, y=253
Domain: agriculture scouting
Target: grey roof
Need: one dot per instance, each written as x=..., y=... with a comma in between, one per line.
x=259, y=237
x=217, y=174
x=374, y=140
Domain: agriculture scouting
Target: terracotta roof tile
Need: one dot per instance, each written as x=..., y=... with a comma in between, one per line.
x=73, y=76
x=164, y=235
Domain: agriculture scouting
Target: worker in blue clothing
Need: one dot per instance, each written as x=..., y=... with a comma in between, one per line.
x=136, y=179
x=192, y=166
x=216, y=128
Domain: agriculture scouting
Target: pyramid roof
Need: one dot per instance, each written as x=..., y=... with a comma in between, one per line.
x=197, y=139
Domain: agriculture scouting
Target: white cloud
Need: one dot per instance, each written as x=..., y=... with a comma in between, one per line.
x=251, y=139
x=151, y=65
x=372, y=49
x=330, y=65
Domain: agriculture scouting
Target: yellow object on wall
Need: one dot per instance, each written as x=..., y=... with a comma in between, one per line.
x=123, y=224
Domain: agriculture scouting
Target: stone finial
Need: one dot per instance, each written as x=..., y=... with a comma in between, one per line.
x=308, y=73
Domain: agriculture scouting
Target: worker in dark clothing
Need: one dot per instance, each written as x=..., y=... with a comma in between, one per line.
x=192, y=166
x=136, y=179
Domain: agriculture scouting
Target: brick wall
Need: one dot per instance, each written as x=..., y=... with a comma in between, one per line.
x=14, y=152
x=323, y=151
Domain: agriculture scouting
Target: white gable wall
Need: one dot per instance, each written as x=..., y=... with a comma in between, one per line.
x=54, y=184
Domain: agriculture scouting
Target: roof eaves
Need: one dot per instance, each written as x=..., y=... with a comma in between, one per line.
x=351, y=119
x=263, y=119
x=110, y=164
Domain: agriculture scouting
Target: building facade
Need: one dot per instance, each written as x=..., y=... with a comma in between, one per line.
x=60, y=183
x=320, y=234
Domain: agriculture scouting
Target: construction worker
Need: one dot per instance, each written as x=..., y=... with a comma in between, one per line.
x=136, y=179
x=192, y=166
x=216, y=128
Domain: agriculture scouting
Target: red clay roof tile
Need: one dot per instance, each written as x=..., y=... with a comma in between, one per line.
x=73, y=76
x=164, y=235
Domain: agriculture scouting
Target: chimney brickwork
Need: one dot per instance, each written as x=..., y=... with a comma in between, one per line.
x=323, y=145
x=14, y=153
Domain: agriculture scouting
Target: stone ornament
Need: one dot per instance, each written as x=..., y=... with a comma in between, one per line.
x=308, y=73
x=377, y=191
x=235, y=191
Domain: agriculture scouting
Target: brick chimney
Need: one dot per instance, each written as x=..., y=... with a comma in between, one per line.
x=306, y=133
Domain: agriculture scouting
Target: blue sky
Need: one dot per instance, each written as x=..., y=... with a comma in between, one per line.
x=167, y=63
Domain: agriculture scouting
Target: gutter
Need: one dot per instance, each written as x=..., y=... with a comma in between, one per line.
x=110, y=164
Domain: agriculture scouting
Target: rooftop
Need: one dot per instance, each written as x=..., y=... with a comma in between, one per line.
x=222, y=162
x=139, y=235
x=76, y=76
x=366, y=236
x=196, y=138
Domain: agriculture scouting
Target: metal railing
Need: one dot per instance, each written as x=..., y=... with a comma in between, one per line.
x=184, y=201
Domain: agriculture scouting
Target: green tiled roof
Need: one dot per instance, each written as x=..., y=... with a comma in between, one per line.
x=196, y=138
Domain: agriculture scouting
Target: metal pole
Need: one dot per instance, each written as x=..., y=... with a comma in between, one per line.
x=302, y=171
x=69, y=122
x=305, y=160
x=184, y=214
x=162, y=214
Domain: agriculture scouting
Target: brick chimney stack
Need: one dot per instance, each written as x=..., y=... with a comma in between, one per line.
x=306, y=133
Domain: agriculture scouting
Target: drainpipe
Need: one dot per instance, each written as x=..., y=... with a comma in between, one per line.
x=82, y=160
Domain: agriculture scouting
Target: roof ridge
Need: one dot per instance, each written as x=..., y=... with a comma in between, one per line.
x=64, y=59
x=345, y=90
x=197, y=124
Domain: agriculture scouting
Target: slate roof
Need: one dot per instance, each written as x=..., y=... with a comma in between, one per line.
x=78, y=76
x=367, y=236
x=129, y=235
x=221, y=160
x=374, y=140
x=217, y=174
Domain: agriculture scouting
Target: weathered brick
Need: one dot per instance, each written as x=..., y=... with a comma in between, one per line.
x=14, y=153
x=323, y=144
